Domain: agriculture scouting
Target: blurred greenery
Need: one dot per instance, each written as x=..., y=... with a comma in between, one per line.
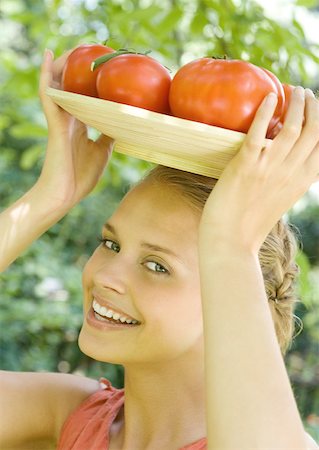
x=40, y=299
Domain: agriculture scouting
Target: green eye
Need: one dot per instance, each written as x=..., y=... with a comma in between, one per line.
x=157, y=268
x=109, y=244
x=112, y=245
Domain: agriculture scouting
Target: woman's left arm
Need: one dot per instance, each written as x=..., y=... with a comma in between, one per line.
x=250, y=402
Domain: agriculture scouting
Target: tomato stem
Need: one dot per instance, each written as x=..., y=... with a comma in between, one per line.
x=122, y=51
x=218, y=57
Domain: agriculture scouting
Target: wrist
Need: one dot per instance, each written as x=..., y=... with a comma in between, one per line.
x=214, y=240
x=51, y=197
x=46, y=205
x=25, y=221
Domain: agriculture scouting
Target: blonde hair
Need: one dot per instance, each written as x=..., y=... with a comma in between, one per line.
x=276, y=256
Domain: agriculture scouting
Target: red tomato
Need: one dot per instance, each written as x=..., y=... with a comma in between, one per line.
x=220, y=92
x=136, y=80
x=77, y=75
x=288, y=88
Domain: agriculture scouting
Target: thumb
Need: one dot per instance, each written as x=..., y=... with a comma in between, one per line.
x=49, y=107
x=105, y=142
x=103, y=149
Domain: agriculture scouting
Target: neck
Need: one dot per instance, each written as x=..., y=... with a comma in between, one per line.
x=164, y=404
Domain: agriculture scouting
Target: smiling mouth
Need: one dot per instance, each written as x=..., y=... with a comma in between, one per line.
x=108, y=322
x=113, y=322
x=105, y=314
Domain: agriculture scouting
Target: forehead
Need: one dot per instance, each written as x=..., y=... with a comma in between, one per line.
x=157, y=212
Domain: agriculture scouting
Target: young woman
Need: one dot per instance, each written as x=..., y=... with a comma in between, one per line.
x=191, y=290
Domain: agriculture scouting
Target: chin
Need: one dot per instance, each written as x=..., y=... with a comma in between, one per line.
x=92, y=346
x=83, y=344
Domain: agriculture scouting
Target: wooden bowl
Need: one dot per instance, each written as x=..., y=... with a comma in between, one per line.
x=158, y=138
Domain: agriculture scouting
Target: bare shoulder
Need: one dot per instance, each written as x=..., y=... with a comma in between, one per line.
x=34, y=406
x=68, y=392
x=311, y=443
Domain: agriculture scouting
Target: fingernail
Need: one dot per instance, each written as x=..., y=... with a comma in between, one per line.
x=309, y=92
x=299, y=90
x=271, y=99
x=48, y=54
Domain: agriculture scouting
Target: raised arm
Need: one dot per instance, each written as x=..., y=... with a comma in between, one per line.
x=72, y=167
x=250, y=403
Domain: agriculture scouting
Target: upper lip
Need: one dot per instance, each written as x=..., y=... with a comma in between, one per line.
x=110, y=305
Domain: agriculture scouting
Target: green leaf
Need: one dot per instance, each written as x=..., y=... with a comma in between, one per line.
x=304, y=287
x=307, y=3
x=31, y=156
x=198, y=23
x=169, y=22
x=299, y=28
x=24, y=18
x=141, y=15
x=28, y=130
x=4, y=122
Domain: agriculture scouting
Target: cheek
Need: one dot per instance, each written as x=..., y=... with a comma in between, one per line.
x=175, y=309
x=190, y=311
x=176, y=327
x=88, y=271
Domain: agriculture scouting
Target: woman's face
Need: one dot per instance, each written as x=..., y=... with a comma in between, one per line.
x=160, y=288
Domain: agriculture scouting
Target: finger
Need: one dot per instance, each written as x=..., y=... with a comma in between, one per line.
x=309, y=137
x=104, y=141
x=312, y=164
x=103, y=149
x=292, y=127
x=296, y=108
x=255, y=138
x=58, y=65
x=79, y=129
x=48, y=105
x=46, y=72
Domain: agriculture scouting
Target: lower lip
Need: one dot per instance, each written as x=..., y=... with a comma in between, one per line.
x=92, y=319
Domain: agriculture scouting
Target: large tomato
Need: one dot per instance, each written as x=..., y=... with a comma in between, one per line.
x=135, y=79
x=77, y=75
x=220, y=92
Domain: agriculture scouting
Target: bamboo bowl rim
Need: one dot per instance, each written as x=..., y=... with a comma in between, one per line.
x=158, y=138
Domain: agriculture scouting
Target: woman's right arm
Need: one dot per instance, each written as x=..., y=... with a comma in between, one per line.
x=34, y=407
x=25, y=221
x=72, y=167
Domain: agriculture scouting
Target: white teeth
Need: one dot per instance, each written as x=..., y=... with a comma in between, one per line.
x=103, y=311
x=97, y=308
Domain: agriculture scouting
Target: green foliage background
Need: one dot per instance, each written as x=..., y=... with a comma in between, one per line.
x=40, y=300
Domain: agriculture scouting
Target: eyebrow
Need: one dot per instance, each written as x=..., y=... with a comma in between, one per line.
x=147, y=245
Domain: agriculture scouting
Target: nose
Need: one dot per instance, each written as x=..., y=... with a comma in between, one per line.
x=112, y=275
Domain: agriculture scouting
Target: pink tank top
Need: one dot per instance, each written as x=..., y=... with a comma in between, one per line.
x=87, y=428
